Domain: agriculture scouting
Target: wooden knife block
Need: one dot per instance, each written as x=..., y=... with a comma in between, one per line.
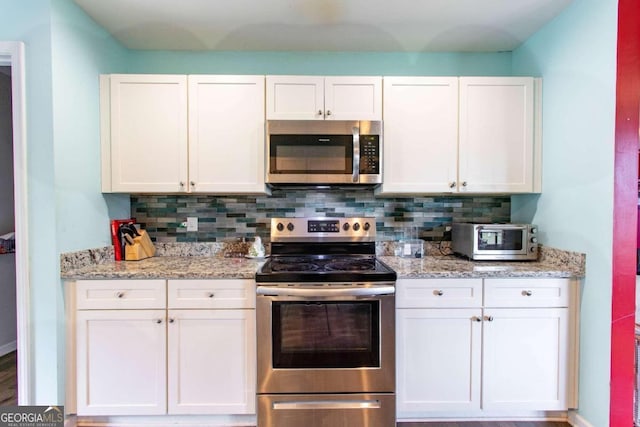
x=142, y=248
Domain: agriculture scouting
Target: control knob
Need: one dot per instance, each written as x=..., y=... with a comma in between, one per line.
x=280, y=226
x=345, y=226
x=534, y=240
x=366, y=226
x=356, y=226
x=290, y=227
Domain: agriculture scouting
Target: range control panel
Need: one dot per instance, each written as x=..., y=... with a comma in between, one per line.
x=323, y=228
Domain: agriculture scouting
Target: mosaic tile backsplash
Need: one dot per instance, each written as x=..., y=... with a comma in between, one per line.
x=226, y=218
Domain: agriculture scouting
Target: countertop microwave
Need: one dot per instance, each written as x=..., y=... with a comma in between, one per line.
x=513, y=242
x=324, y=152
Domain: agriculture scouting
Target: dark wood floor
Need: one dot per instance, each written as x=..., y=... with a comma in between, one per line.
x=8, y=380
x=8, y=396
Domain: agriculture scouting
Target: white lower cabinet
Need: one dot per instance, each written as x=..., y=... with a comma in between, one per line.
x=471, y=356
x=121, y=362
x=211, y=364
x=438, y=360
x=144, y=356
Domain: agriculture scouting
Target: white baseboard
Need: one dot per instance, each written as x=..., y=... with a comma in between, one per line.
x=577, y=421
x=8, y=348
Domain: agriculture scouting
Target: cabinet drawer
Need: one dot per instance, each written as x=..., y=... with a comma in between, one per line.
x=120, y=294
x=526, y=292
x=425, y=293
x=212, y=293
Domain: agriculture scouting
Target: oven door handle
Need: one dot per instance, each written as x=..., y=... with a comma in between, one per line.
x=327, y=404
x=319, y=293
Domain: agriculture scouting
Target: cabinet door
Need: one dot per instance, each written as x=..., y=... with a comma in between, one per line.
x=525, y=359
x=420, y=134
x=496, y=134
x=226, y=134
x=295, y=98
x=212, y=361
x=121, y=362
x=148, y=133
x=438, y=360
x=353, y=98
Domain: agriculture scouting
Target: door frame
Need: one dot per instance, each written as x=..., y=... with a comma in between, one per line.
x=12, y=54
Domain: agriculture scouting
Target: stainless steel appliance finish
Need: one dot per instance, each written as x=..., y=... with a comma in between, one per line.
x=326, y=327
x=492, y=242
x=327, y=410
x=324, y=152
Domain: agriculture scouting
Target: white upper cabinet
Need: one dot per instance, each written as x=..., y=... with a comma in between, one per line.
x=497, y=134
x=148, y=133
x=179, y=134
x=421, y=134
x=461, y=135
x=226, y=134
x=324, y=98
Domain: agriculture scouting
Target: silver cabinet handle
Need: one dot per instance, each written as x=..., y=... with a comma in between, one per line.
x=356, y=154
x=476, y=319
x=276, y=291
x=172, y=320
x=527, y=293
x=438, y=292
x=211, y=295
x=181, y=184
x=120, y=294
x=488, y=318
x=452, y=184
x=328, y=112
x=319, y=112
x=193, y=184
x=327, y=404
x=158, y=321
x=464, y=183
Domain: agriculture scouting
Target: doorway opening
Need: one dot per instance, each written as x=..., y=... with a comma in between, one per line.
x=12, y=56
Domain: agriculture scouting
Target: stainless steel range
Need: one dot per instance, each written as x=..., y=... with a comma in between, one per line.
x=326, y=326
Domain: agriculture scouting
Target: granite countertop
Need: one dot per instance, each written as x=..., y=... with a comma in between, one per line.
x=450, y=267
x=93, y=264
x=169, y=267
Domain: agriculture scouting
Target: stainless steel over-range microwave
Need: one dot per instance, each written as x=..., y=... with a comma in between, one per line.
x=320, y=152
x=495, y=241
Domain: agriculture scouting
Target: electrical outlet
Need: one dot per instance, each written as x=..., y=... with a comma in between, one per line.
x=192, y=223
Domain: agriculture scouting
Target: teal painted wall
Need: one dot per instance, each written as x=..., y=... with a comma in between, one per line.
x=321, y=63
x=29, y=21
x=576, y=56
x=65, y=52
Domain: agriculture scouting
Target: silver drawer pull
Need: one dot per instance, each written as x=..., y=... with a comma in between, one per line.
x=211, y=295
x=527, y=293
x=158, y=321
x=438, y=292
x=328, y=404
x=120, y=294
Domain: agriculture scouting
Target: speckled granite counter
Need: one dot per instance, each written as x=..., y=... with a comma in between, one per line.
x=94, y=264
x=169, y=267
x=450, y=267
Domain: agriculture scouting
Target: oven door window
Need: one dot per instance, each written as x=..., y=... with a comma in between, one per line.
x=493, y=240
x=323, y=334
x=311, y=154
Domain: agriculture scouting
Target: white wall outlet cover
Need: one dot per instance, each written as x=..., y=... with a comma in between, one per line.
x=192, y=223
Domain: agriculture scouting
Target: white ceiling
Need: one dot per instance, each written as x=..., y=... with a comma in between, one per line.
x=324, y=25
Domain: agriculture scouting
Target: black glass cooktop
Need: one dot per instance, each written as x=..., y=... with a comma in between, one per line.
x=312, y=268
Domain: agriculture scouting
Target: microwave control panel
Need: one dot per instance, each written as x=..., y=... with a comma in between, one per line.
x=369, y=154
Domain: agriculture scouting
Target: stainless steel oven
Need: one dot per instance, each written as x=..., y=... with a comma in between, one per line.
x=326, y=328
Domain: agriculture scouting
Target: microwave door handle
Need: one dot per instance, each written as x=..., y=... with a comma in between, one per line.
x=356, y=154
x=502, y=227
